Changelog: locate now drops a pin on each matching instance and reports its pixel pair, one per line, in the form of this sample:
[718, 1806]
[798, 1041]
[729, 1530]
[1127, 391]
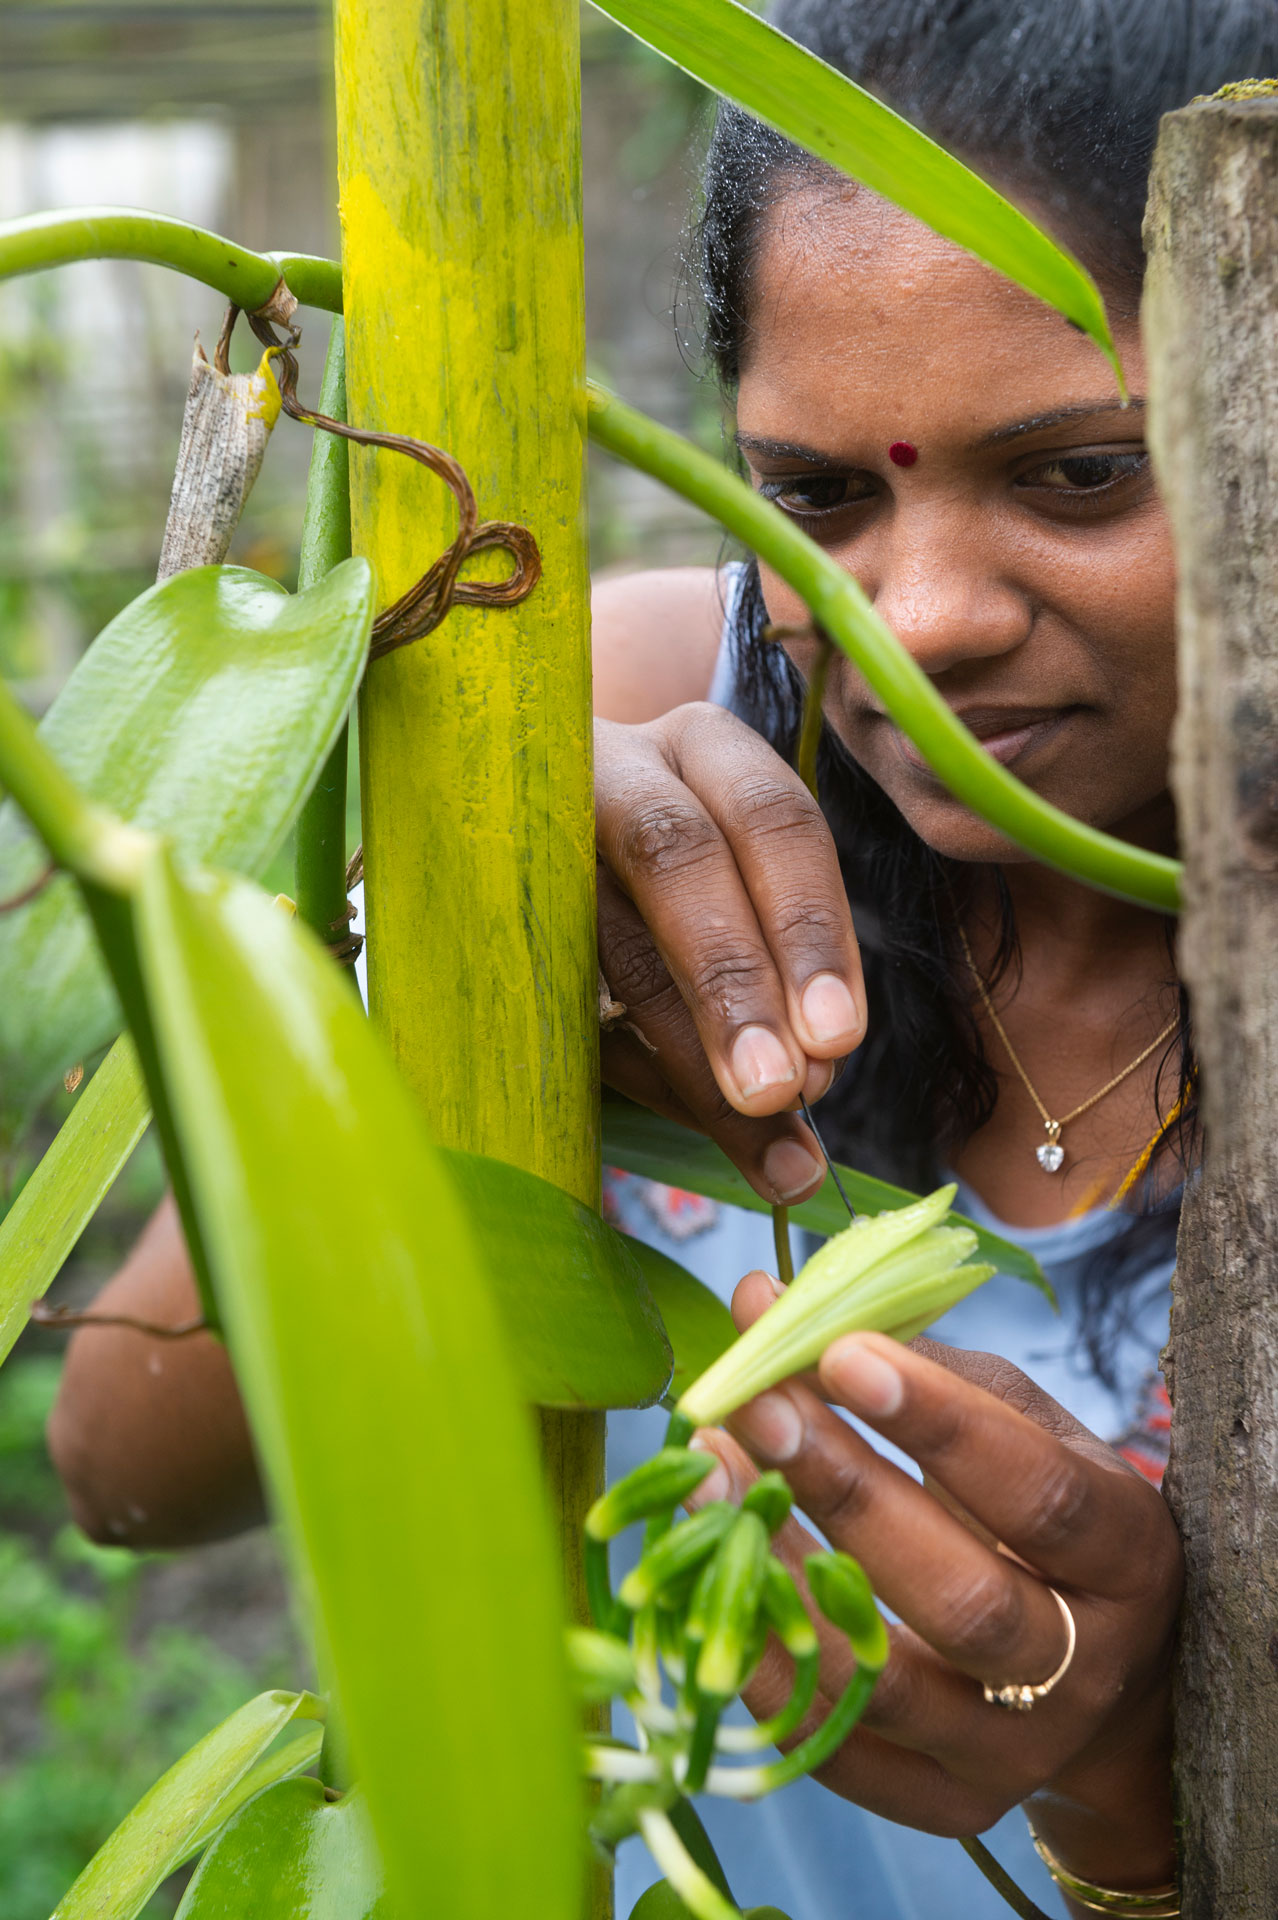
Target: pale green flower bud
[599, 1665]
[771, 1499]
[677, 1554]
[787, 1615]
[732, 1608]
[655, 1487]
[846, 1598]
[894, 1274]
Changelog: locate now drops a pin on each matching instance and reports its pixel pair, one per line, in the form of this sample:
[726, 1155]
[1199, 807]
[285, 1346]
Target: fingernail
[760, 1062]
[830, 1014]
[819, 1080]
[789, 1169]
[716, 1486]
[771, 1427]
[865, 1381]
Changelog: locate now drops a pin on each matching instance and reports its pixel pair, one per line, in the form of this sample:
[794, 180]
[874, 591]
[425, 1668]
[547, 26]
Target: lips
[1006, 733]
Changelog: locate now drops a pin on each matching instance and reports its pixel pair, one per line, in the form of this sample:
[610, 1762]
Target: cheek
[785, 607]
[1120, 598]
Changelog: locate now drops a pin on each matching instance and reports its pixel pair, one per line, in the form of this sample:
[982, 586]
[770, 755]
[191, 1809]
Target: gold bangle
[1155, 1903]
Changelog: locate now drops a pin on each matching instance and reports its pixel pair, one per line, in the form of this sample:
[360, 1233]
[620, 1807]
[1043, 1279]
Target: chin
[950, 830]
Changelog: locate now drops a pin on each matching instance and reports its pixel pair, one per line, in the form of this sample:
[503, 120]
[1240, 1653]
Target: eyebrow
[1014, 430]
[1061, 417]
[786, 450]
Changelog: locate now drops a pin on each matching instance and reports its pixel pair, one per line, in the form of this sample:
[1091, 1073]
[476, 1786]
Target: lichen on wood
[1212, 238]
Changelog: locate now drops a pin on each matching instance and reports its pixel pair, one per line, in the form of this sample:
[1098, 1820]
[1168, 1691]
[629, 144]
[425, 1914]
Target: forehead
[858, 308]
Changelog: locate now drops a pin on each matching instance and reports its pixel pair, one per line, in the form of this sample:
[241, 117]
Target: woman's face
[1023, 558]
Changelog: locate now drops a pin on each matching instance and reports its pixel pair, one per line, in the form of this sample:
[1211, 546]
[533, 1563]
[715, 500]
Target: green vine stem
[781, 1241]
[1002, 1882]
[94, 845]
[813, 713]
[837, 603]
[320, 864]
[842, 610]
[695, 1888]
[44, 240]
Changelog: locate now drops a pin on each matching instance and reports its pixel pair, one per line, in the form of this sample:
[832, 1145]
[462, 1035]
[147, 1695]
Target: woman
[964, 455]
[963, 452]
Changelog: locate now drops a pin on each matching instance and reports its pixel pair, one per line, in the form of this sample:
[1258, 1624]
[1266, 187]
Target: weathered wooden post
[1212, 327]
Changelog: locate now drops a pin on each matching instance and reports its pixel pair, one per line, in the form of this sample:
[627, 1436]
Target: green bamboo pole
[320, 864]
[459, 170]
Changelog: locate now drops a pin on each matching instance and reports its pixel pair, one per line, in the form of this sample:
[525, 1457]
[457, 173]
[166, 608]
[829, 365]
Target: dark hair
[1059, 105]
[1056, 101]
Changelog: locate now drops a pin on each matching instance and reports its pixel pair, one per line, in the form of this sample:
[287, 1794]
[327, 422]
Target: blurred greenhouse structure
[218, 114]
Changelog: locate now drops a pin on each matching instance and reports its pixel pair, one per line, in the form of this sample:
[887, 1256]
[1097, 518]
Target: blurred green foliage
[91, 1711]
[94, 1705]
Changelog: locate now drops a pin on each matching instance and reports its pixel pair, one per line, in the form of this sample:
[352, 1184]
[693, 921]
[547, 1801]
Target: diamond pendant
[1051, 1155]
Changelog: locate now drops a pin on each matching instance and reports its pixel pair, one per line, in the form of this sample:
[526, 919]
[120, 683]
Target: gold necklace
[1051, 1155]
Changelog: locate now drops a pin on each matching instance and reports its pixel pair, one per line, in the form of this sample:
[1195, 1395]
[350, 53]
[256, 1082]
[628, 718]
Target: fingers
[787, 859]
[776, 1153]
[979, 1609]
[731, 868]
[963, 1762]
[1054, 1505]
[1016, 1461]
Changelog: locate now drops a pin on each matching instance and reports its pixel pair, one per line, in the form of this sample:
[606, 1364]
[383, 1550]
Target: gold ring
[1019, 1698]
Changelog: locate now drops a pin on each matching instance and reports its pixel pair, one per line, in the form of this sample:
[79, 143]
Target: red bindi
[902, 454]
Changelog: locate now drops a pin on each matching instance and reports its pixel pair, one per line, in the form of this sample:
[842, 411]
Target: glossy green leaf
[67, 1187]
[642, 1142]
[733, 51]
[580, 1322]
[698, 1325]
[383, 1404]
[152, 1840]
[291, 1855]
[297, 1755]
[204, 710]
[660, 1902]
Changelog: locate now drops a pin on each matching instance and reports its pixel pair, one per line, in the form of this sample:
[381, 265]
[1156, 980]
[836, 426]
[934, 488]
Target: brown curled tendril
[68, 1319]
[346, 946]
[420, 610]
[26, 895]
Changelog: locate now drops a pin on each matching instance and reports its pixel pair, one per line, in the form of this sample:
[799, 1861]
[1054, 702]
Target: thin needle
[834, 1172]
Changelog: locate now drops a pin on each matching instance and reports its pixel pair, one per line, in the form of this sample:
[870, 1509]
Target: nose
[942, 586]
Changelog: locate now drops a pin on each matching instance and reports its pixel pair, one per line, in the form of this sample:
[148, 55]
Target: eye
[812, 494]
[1086, 473]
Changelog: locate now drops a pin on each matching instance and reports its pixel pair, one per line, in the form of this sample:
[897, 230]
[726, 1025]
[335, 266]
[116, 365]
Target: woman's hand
[1004, 1464]
[724, 930]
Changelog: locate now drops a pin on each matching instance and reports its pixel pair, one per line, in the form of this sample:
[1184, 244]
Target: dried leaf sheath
[225, 428]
